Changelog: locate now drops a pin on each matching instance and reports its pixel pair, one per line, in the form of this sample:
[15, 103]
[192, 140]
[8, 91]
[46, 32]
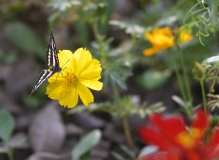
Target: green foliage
[116, 73]
[210, 66]
[92, 12]
[152, 79]
[7, 124]
[130, 153]
[85, 144]
[214, 102]
[24, 38]
[198, 72]
[35, 100]
[121, 108]
[203, 18]
[8, 56]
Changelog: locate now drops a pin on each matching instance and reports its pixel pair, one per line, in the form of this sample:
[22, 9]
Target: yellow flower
[79, 73]
[163, 38]
[185, 36]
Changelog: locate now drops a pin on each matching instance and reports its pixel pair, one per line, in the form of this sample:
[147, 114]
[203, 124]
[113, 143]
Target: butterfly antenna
[64, 64]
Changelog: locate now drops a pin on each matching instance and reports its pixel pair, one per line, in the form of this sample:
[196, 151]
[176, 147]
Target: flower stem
[124, 119]
[203, 95]
[115, 91]
[99, 38]
[127, 131]
[177, 76]
[188, 91]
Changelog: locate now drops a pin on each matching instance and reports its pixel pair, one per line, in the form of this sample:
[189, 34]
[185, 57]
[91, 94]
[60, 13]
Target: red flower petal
[150, 136]
[212, 148]
[169, 126]
[200, 120]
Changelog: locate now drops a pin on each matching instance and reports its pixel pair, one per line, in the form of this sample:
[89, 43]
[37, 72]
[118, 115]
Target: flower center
[186, 140]
[189, 139]
[71, 78]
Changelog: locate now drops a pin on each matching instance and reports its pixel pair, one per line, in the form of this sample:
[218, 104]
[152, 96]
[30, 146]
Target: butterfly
[52, 62]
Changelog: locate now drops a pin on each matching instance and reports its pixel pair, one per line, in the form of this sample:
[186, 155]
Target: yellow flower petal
[64, 100]
[185, 36]
[151, 51]
[64, 56]
[83, 58]
[92, 84]
[92, 66]
[73, 97]
[79, 71]
[55, 88]
[91, 75]
[85, 94]
[67, 60]
[69, 99]
[162, 38]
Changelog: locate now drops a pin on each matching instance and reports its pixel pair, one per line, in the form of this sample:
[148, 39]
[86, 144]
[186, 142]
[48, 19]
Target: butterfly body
[52, 62]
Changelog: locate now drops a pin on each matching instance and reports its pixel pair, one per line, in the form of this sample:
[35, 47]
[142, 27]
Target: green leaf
[118, 79]
[152, 79]
[6, 125]
[128, 151]
[86, 144]
[25, 38]
[118, 156]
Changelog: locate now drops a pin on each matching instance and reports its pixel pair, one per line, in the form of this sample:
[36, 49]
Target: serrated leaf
[86, 144]
[6, 125]
[25, 38]
[117, 79]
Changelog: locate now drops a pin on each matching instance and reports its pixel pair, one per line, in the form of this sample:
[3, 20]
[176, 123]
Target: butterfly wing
[52, 62]
[44, 75]
[51, 53]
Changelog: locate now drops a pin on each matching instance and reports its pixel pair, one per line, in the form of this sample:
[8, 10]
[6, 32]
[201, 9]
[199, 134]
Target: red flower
[177, 141]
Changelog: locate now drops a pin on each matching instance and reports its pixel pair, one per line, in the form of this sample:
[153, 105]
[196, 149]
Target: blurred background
[120, 27]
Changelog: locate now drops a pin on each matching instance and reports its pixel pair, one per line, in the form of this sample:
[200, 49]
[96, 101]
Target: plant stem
[203, 95]
[186, 80]
[116, 93]
[177, 76]
[99, 38]
[127, 131]
[10, 154]
[124, 119]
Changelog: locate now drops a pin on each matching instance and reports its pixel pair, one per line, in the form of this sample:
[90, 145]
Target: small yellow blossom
[79, 73]
[185, 36]
[163, 38]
